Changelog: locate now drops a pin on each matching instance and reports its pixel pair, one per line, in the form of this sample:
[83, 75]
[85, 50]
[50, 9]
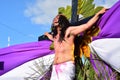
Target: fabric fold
[16, 55]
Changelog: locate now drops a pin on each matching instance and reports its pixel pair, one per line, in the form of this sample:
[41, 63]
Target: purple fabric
[110, 23]
[16, 55]
[102, 70]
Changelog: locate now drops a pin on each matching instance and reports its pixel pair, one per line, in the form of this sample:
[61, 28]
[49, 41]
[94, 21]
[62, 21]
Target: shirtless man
[64, 68]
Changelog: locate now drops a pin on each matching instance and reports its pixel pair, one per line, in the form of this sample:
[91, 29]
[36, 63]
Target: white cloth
[63, 71]
[108, 50]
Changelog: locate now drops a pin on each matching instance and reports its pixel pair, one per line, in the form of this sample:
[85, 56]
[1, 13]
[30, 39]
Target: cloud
[105, 3]
[109, 3]
[43, 11]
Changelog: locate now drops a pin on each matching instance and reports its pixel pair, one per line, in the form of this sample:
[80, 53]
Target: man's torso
[64, 51]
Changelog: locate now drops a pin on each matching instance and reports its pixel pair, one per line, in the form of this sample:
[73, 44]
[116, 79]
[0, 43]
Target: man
[63, 67]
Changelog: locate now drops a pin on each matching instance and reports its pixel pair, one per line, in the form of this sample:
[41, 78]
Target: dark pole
[74, 17]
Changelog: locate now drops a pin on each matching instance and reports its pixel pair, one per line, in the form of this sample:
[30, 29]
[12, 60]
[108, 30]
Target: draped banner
[106, 45]
[109, 23]
[16, 55]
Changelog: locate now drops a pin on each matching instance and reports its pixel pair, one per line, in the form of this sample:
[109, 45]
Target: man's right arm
[49, 36]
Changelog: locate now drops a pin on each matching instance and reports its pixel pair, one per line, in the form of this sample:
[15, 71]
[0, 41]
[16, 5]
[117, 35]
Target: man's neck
[58, 30]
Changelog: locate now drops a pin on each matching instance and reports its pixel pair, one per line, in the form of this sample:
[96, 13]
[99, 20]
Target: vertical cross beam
[74, 17]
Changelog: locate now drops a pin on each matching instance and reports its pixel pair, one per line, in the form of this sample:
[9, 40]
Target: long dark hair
[64, 24]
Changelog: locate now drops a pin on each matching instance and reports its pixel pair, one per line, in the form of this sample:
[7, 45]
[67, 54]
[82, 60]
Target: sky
[22, 21]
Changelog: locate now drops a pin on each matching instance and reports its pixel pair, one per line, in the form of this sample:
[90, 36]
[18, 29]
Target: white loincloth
[108, 50]
[63, 71]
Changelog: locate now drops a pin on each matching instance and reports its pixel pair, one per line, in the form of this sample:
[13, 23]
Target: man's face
[55, 21]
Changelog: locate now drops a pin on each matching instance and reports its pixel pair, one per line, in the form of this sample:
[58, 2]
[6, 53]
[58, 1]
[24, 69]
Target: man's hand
[102, 11]
[49, 35]
[46, 33]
